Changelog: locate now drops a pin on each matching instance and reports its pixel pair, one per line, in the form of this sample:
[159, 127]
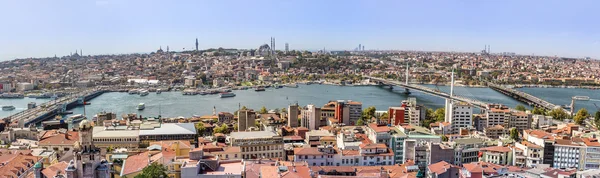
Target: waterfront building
[311, 117]
[460, 116]
[246, 120]
[12, 134]
[258, 144]
[292, 116]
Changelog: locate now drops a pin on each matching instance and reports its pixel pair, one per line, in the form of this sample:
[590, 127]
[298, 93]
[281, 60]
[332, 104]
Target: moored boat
[226, 95]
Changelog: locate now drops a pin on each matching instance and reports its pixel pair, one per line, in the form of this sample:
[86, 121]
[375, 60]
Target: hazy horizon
[548, 28]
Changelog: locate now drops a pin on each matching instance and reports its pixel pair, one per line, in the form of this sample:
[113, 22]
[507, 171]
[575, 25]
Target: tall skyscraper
[287, 48]
[196, 44]
[363, 47]
[359, 47]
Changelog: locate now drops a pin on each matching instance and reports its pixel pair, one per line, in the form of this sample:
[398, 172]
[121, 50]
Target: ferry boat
[260, 88]
[133, 91]
[8, 108]
[12, 95]
[581, 98]
[292, 85]
[144, 93]
[141, 106]
[76, 118]
[226, 95]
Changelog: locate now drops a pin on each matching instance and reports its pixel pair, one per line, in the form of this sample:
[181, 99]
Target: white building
[460, 116]
[23, 86]
[311, 117]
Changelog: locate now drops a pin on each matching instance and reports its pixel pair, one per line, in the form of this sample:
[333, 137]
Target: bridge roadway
[50, 108]
[430, 91]
[525, 97]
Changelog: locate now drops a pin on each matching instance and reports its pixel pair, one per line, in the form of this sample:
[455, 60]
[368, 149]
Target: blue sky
[542, 27]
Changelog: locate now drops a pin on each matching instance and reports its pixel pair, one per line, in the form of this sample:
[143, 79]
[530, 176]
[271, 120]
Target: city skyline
[116, 27]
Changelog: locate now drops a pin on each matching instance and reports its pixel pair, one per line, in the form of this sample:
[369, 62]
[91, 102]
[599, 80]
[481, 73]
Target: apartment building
[258, 144]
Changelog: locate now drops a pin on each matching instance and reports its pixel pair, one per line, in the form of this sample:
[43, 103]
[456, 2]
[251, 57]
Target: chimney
[66, 135]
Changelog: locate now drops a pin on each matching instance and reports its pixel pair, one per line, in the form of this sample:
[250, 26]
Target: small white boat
[144, 93]
[141, 106]
[76, 118]
[8, 108]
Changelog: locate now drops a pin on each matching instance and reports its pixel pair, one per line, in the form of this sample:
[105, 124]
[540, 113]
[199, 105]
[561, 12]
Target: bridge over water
[52, 108]
[429, 91]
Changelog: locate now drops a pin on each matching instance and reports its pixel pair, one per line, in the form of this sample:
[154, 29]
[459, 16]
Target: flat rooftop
[234, 168]
[101, 132]
[249, 135]
[171, 129]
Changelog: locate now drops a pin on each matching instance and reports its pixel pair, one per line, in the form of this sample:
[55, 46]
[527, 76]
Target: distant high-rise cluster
[287, 48]
[272, 46]
[196, 44]
[360, 47]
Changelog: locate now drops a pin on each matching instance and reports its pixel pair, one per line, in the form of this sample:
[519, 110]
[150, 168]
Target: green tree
[284, 110]
[581, 115]
[558, 114]
[520, 107]
[276, 110]
[440, 114]
[368, 113]
[200, 129]
[538, 111]
[514, 134]
[597, 119]
[154, 170]
[221, 129]
[360, 122]
[444, 138]
[263, 110]
[429, 118]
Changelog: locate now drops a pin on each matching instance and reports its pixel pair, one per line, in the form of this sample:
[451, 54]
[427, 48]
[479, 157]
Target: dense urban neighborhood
[338, 139]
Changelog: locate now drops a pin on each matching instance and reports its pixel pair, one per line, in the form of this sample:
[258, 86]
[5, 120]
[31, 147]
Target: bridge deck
[431, 91]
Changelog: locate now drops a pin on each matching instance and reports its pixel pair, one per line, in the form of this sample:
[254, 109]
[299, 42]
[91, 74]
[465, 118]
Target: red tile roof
[378, 128]
[55, 169]
[135, 163]
[496, 149]
[440, 167]
[14, 165]
[54, 137]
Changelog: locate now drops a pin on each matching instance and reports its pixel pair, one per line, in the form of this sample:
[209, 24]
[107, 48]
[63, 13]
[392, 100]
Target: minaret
[167, 49]
[81, 52]
[196, 44]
